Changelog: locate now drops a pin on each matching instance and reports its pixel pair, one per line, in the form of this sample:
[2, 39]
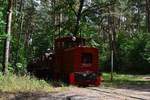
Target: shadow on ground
[128, 84]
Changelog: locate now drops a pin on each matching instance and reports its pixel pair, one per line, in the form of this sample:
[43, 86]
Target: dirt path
[89, 93]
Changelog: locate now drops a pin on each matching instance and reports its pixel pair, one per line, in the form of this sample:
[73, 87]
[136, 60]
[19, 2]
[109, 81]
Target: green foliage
[146, 53]
[133, 51]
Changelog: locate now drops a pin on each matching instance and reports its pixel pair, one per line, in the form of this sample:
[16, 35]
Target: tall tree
[78, 17]
[148, 15]
[20, 32]
[8, 31]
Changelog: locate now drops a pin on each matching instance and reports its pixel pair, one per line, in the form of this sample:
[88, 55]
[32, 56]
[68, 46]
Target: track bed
[89, 93]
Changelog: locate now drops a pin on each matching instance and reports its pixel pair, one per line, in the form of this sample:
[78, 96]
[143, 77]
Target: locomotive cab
[76, 62]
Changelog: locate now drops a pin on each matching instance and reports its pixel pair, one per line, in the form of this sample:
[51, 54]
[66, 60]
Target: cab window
[86, 58]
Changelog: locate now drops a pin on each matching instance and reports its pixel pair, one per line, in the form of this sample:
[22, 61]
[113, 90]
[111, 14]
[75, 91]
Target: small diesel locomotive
[71, 61]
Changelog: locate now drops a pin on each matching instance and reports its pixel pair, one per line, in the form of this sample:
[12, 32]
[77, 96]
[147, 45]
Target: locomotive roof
[68, 38]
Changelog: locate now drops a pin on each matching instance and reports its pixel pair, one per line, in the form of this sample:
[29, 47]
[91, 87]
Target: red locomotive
[71, 61]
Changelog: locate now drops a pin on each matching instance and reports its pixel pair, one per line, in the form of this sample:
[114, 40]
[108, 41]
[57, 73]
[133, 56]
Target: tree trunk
[138, 19]
[78, 17]
[148, 15]
[19, 34]
[53, 22]
[112, 41]
[8, 31]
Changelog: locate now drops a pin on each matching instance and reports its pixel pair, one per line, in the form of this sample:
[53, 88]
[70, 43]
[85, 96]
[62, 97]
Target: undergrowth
[15, 83]
[124, 79]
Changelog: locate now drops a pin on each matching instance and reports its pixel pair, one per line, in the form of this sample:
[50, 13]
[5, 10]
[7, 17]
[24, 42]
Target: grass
[123, 79]
[13, 83]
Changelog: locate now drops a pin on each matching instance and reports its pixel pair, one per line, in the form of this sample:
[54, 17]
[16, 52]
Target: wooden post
[112, 64]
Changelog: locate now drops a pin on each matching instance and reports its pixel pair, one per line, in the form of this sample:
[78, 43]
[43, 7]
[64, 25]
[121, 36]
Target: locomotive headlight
[84, 74]
[73, 38]
[93, 75]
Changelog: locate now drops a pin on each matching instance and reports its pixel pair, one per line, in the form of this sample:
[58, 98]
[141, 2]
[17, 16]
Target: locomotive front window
[86, 58]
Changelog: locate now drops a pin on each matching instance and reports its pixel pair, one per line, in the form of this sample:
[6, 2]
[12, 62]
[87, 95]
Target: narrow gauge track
[114, 94]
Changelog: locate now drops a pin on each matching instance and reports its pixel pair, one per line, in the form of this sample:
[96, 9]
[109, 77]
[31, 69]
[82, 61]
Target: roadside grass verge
[14, 83]
[125, 79]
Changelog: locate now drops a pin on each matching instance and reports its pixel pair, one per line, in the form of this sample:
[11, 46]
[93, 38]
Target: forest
[29, 27]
